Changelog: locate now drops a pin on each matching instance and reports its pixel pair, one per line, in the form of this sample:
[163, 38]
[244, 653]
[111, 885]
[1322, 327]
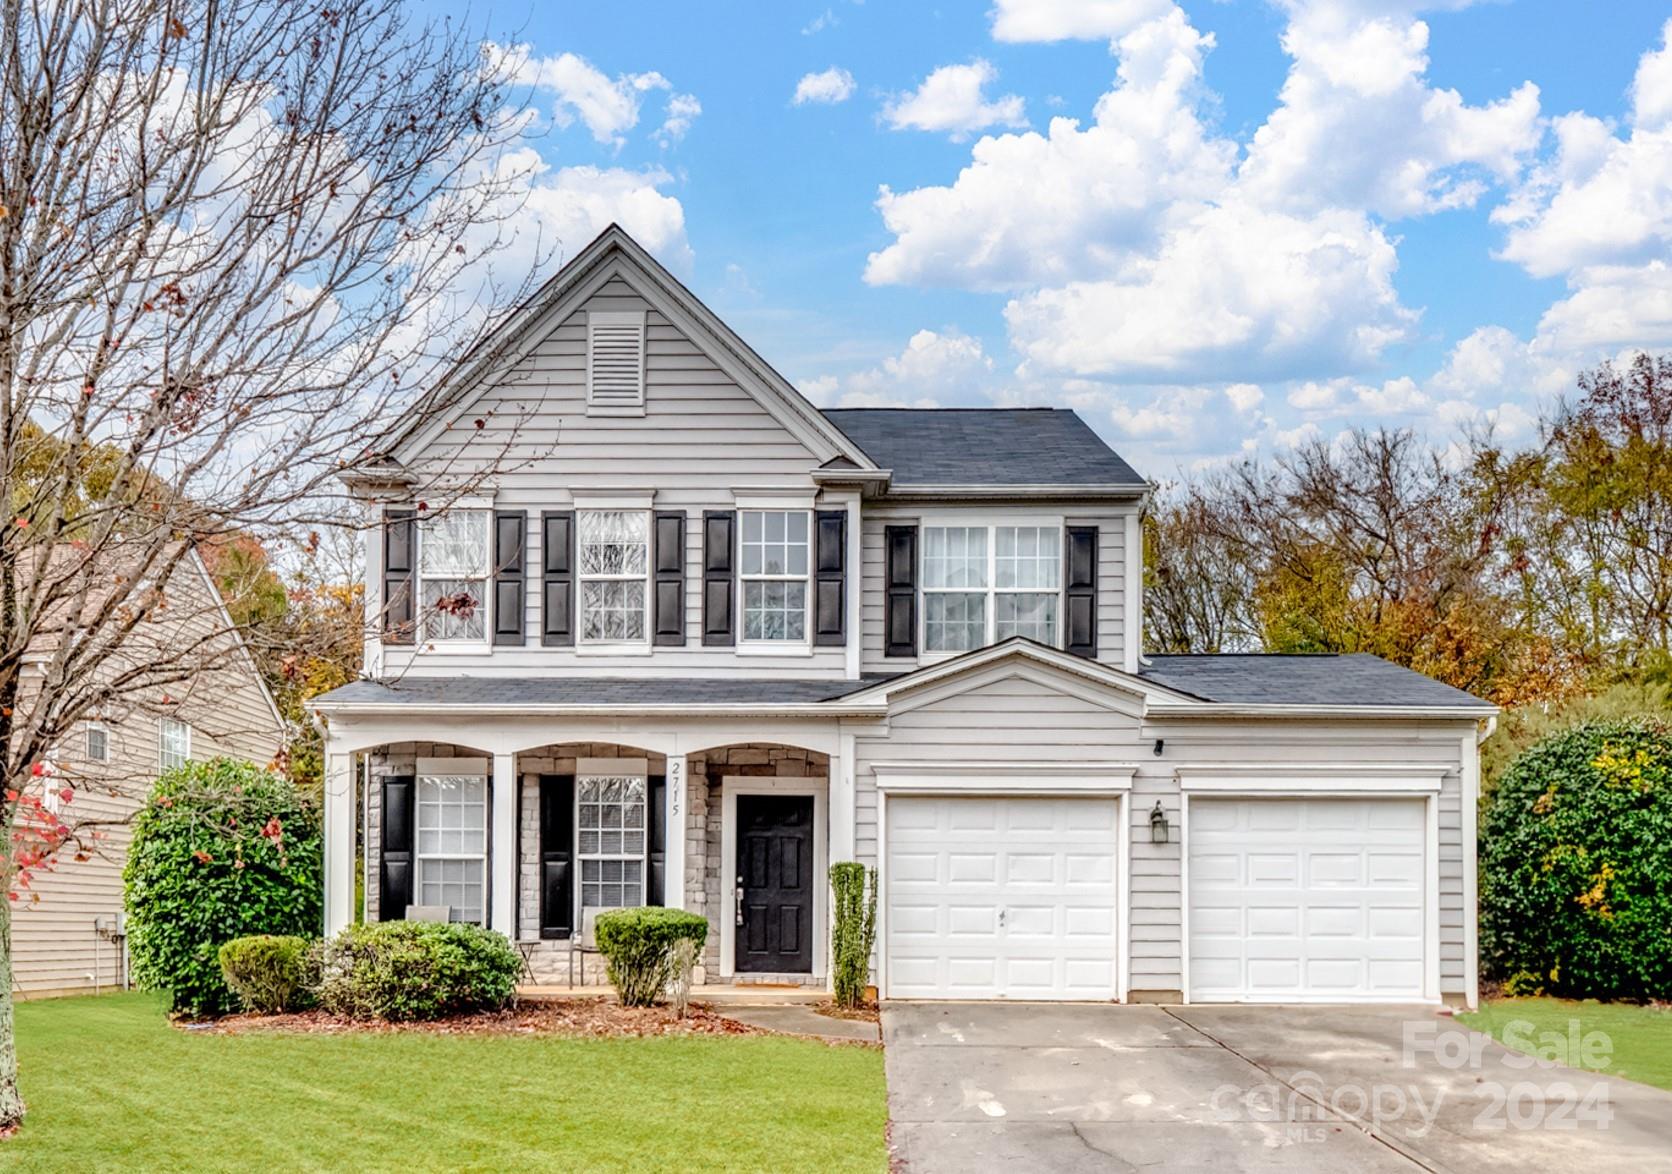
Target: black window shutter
[1080, 580]
[557, 856]
[900, 581]
[399, 549]
[395, 866]
[668, 601]
[510, 575]
[557, 577]
[719, 577]
[656, 848]
[830, 606]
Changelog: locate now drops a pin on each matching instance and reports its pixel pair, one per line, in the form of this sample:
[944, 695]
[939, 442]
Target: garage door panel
[1048, 863]
[1296, 898]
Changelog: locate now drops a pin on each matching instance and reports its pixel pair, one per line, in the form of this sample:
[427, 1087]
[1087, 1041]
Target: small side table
[526, 950]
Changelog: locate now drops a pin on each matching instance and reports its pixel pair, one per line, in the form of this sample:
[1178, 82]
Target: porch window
[614, 566]
[453, 563]
[774, 573]
[610, 826]
[174, 743]
[453, 844]
[982, 584]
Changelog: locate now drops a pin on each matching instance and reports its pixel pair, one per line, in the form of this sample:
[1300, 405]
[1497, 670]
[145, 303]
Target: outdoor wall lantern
[1157, 824]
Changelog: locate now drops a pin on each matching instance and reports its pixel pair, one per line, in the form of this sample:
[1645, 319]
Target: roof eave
[814, 709]
[1117, 492]
[1216, 709]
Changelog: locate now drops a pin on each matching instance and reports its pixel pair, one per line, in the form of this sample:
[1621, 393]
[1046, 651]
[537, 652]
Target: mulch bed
[586, 1018]
[866, 1012]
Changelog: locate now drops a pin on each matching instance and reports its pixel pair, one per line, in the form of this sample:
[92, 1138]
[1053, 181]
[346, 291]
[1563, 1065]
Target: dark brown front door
[774, 880]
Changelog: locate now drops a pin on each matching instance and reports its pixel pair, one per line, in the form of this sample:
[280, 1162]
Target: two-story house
[657, 630]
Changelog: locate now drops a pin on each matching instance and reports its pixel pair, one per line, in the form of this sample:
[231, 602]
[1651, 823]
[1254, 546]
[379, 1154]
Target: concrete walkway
[1045, 1087]
[798, 1019]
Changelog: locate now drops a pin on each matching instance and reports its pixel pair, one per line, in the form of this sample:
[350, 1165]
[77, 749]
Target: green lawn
[1639, 1044]
[110, 1085]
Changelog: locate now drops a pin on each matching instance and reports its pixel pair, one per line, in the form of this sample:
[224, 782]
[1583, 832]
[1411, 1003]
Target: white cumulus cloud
[608, 107]
[1064, 20]
[934, 368]
[828, 86]
[953, 100]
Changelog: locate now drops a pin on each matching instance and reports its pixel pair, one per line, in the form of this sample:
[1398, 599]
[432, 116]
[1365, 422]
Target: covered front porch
[532, 828]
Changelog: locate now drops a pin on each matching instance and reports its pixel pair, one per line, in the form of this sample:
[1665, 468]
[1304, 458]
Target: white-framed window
[775, 557]
[610, 831]
[98, 742]
[982, 584]
[174, 743]
[453, 560]
[453, 844]
[614, 574]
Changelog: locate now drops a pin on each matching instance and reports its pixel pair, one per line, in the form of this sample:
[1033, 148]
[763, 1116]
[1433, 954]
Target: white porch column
[339, 840]
[675, 808]
[502, 858]
[842, 808]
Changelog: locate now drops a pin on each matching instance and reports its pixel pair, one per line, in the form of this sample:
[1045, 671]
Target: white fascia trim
[774, 497]
[988, 778]
[613, 499]
[822, 709]
[453, 766]
[1120, 492]
[846, 476]
[1329, 779]
[1055, 657]
[1210, 709]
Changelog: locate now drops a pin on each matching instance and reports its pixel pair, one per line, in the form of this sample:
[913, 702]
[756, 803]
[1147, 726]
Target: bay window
[983, 584]
[610, 831]
[452, 851]
[614, 565]
[775, 556]
[453, 560]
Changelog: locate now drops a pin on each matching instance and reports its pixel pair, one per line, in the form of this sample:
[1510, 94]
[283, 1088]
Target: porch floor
[734, 994]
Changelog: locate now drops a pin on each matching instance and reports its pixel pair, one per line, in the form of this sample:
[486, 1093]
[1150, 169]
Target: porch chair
[585, 942]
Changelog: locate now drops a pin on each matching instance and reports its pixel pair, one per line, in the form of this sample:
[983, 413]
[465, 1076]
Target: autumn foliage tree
[231, 237]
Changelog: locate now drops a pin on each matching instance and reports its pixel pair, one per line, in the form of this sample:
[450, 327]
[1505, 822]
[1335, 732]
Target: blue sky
[1268, 218]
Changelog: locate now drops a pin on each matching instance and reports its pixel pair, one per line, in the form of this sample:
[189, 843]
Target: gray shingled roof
[1325, 679]
[984, 446]
[422, 691]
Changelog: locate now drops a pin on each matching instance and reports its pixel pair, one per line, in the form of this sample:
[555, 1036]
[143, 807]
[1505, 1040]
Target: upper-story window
[775, 559]
[453, 563]
[98, 742]
[982, 584]
[174, 743]
[614, 566]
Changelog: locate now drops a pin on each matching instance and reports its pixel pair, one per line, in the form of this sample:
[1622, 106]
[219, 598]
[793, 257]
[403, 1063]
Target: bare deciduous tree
[231, 236]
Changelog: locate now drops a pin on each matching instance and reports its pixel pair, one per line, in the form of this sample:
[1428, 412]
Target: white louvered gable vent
[615, 359]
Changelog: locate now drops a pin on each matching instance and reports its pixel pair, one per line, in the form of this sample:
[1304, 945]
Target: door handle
[1001, 916]
[739, 903]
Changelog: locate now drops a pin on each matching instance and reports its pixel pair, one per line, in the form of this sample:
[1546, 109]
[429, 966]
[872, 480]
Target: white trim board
[1296, 779]
[731, 786]
[986, 778]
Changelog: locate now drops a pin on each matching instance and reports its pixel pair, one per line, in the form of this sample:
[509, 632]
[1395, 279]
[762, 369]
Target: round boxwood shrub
[271, 973]
[1576, 865]
[221, 850]
[417, 970]
[639, 946]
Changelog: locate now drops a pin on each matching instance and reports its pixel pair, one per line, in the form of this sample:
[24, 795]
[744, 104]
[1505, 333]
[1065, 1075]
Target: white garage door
[1001, 898]
[1297, 899]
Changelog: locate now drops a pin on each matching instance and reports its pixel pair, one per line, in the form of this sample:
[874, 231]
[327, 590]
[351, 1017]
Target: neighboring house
[65, 925]
[698, 639]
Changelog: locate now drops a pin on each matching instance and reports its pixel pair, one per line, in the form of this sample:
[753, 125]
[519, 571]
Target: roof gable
[612, 255]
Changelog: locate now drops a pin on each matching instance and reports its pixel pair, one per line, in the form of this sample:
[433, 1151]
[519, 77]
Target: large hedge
[221, 850]
[1576, 865]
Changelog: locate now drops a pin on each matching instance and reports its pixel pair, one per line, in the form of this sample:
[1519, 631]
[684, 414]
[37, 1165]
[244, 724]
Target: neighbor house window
[610, 829]
[452, 575]
[453, 844]
[774, 559]
[614, 563]
[174, 743]
[98, 743]
[983, 584]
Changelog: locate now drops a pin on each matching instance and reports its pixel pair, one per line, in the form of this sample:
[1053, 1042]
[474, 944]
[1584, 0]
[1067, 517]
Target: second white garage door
[1294, 900]
[1001, 898]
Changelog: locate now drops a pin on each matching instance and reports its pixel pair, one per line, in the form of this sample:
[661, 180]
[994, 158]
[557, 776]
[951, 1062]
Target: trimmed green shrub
[271, 973]
[853, 930]
[402, 970]
[639, 944]
[1576, 865]
[221, 850]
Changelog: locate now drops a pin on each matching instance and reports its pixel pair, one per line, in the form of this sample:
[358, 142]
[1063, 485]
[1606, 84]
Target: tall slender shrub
[853, 929]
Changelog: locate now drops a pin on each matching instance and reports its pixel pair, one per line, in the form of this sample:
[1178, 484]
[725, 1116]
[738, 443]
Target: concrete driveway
[1035, 1086]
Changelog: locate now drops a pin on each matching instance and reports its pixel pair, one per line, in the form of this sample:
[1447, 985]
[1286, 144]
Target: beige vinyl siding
[1111, 570]
[55, 949]
[701, 436]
